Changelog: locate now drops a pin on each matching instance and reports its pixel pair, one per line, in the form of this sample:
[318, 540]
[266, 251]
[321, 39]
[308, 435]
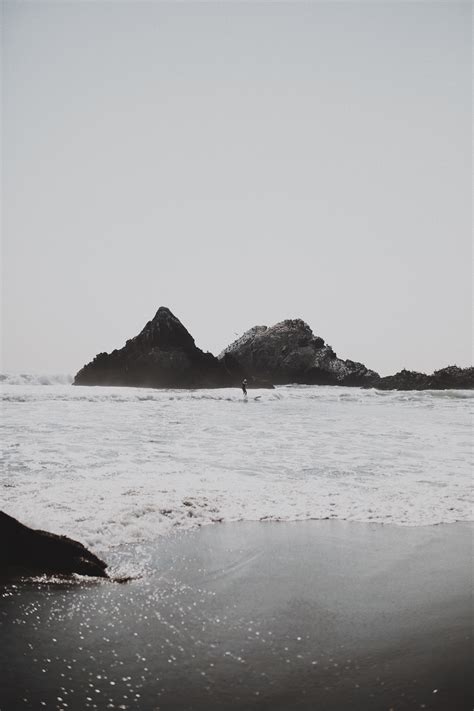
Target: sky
[241, 163]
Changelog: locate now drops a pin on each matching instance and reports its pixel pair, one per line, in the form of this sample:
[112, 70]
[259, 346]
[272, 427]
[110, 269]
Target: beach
[309, 548]
[237, 385]
[316, 614]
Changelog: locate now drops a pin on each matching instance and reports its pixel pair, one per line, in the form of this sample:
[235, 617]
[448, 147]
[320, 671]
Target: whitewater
[117, 466]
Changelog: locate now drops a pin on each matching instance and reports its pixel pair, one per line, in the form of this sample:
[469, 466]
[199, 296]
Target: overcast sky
[240, 163]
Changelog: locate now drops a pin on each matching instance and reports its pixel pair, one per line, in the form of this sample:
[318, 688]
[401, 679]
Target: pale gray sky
[240, 163]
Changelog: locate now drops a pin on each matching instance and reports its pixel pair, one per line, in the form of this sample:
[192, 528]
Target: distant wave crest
[35, 379]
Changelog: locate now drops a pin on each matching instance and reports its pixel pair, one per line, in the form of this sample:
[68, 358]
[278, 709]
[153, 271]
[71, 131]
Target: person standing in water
[244, 386]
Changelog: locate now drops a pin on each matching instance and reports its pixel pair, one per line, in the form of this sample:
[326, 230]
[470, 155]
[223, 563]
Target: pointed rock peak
[164, 313]
[166, 330]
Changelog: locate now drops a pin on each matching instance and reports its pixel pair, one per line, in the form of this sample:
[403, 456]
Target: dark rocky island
[289, 352]
[164, 355]
[449, 378]
[25, 552]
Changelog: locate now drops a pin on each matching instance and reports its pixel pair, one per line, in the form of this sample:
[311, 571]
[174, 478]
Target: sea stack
[163, 355]
[289, 352]
[450, 378]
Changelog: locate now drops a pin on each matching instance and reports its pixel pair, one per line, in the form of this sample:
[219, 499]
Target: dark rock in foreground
[448, 378]
[289, 352]
[25, 552]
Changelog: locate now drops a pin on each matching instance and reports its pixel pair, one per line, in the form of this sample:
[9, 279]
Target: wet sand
[308, 615]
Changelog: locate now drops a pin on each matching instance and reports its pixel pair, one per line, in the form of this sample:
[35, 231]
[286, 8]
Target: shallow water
[113, 466]
[253, 617]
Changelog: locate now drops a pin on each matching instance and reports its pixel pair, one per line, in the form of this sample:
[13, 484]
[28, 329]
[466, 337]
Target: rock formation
[163, 355]
[448, 378]
[289, 352]
[25, 552]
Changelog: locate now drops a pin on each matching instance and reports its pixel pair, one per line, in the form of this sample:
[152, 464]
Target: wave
[345, 396]
[35, 379]
[113, 466]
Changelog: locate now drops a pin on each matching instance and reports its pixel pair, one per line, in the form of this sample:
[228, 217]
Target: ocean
[118, 466]
[291, 613]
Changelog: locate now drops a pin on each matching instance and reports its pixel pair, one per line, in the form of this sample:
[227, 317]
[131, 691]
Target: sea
[114, 467]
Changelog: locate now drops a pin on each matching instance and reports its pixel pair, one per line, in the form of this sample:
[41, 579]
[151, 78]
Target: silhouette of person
[244, 386]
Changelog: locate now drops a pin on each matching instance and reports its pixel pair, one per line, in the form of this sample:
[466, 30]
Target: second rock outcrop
[289, 352]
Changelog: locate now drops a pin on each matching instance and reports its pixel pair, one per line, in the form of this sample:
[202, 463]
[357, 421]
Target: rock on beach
[25, 551]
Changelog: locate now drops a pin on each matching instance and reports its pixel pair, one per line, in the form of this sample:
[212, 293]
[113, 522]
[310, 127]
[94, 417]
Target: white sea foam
[35, 379]
[118, 465]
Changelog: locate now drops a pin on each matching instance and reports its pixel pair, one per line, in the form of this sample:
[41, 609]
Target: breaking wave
[117, 466]
[35, 379]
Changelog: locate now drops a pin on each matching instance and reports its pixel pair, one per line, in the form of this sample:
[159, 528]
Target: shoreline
[327, 614]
